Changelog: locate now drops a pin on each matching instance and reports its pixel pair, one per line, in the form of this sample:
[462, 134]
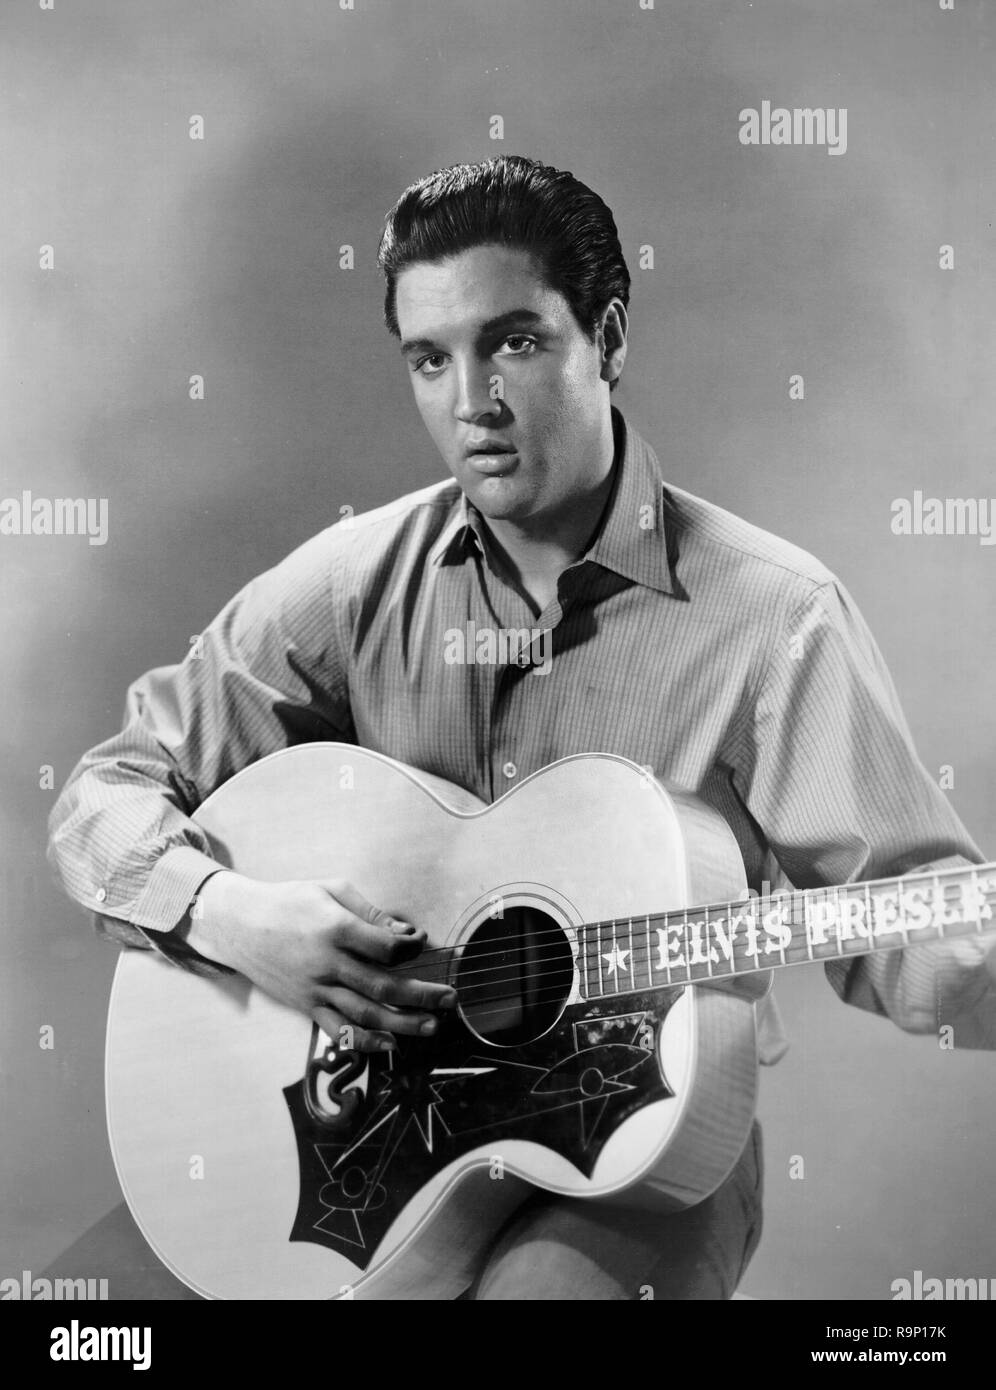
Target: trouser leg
[564, 1248]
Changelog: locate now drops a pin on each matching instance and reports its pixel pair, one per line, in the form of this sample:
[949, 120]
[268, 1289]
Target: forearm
[945, 988]
[265, 673]
[831, 774]
[121, 837]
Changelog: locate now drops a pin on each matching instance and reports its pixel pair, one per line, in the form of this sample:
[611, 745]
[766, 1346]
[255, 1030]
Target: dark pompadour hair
[517, 202]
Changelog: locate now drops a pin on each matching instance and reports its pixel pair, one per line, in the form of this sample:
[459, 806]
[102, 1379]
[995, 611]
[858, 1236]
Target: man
[683, 638]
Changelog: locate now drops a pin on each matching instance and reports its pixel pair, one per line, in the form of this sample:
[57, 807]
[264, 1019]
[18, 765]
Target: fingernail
[385, 1044]
[402, 928]
[428, 1026]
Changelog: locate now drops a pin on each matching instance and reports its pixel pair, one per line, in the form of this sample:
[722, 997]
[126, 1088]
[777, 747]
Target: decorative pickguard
[431, 1101]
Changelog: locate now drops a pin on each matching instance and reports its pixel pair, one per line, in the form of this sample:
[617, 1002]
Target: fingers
[370, 1016]
[353, 900]
[348, 1036]
[398, 989]
[366, 934]
[369, 931]
[387, 945]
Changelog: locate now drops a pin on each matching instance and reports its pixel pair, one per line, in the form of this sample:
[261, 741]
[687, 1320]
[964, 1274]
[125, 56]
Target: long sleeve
[266, 673]
[834, 782]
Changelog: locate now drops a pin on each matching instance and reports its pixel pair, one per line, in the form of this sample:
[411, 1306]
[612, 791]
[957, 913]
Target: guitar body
[262, 1159]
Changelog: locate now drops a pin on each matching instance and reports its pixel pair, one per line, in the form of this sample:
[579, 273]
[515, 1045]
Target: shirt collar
[637, 534]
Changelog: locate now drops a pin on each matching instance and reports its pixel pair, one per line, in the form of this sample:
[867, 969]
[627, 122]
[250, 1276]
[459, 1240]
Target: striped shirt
[731, 662]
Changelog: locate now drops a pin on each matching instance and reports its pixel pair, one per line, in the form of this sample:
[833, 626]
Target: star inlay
[616, 960]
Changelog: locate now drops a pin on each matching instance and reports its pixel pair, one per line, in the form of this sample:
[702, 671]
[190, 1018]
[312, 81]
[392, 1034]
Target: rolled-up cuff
[169, 891]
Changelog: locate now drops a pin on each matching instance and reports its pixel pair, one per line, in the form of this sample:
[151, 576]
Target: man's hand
[319, 947]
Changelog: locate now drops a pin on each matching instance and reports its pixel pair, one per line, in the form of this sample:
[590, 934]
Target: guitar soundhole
[515, 976]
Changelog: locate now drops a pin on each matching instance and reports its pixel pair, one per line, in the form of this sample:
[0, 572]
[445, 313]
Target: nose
[474, 400]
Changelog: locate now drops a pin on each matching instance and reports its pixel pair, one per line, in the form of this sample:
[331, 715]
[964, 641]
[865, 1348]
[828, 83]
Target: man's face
[484, 314]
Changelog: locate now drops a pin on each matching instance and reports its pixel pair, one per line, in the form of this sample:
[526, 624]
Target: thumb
[353, 901]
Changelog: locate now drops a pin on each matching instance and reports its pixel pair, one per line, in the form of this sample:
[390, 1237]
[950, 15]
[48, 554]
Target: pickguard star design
[431, 1101]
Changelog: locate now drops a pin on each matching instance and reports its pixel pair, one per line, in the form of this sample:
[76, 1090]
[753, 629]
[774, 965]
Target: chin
[496, 506]
[498, 497]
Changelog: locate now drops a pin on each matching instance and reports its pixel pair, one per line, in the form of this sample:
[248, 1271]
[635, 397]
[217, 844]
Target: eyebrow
[510, 319]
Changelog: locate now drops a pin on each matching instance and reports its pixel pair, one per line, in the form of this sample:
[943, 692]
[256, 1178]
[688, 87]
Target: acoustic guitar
[603, 1047]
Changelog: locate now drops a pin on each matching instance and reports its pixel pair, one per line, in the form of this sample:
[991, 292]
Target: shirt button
[510, 770]
[101, 894]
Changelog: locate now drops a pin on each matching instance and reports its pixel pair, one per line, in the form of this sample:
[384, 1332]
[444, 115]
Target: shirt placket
[511, 750]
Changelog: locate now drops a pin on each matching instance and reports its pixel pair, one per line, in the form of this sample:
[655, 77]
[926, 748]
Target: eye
[422, 361]
[525, 344]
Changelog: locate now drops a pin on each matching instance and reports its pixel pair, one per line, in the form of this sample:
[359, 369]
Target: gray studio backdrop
[219, 257]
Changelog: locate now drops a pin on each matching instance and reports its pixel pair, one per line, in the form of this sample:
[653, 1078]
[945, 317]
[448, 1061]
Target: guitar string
[789, 919]
[793, 900]
[558, 932]
[559, 993]
[555, 989]
[640, 955]
[421, 968]
[696, 974]
[514, 971]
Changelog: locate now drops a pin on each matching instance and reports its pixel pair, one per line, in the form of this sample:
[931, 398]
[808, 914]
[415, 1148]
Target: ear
[611, 339]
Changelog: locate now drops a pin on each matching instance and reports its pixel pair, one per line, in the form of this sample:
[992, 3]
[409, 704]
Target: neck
[535, 551]
[695, 944]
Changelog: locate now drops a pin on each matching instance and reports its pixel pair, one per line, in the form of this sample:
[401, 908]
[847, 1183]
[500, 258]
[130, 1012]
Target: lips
[494, 465]
[491, 457]
[487, 448]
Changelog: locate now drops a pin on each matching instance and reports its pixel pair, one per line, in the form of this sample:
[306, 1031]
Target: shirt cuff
[170, 888]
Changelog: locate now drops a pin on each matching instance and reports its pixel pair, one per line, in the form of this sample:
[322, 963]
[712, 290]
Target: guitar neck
[724, 940]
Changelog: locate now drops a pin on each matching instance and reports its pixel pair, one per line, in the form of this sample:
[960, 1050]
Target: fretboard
[815, 924]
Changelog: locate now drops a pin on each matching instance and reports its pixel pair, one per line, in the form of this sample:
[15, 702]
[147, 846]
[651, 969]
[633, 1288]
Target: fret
[869, 914]
[792, 948]
[977, 896]
[773, 909]
[984, 892]
[754, 934]
[736, 911]
[737, 945]
[902, 914]
[727, 964]
[740, 909]
[712, 943]
[966, 897]
[806, 922]
[721, 964]
[747, 961]
[799, 945]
